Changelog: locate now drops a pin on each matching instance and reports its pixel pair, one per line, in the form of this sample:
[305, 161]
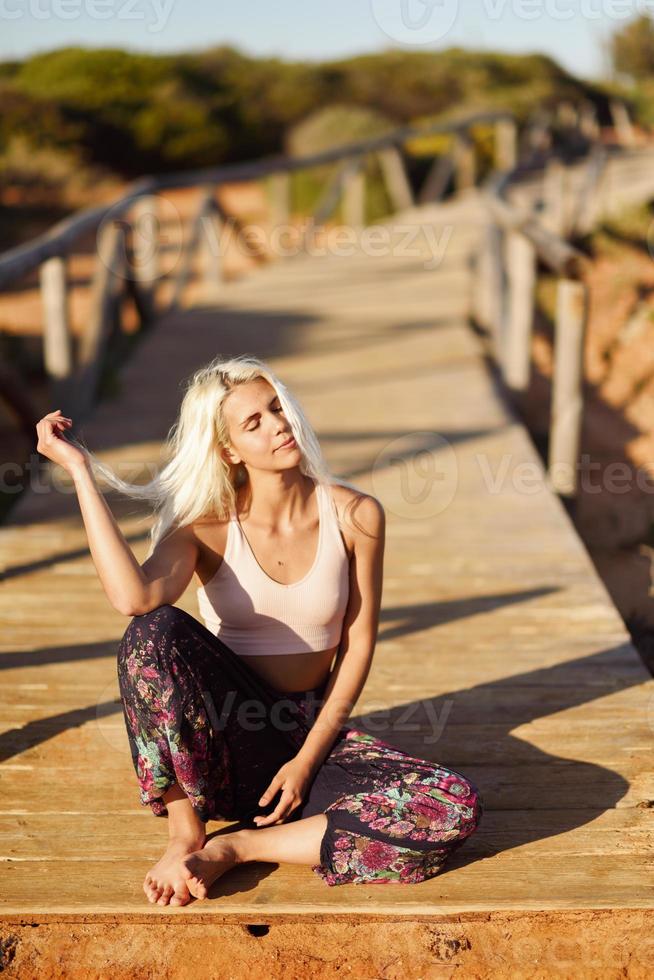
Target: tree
[632, 48]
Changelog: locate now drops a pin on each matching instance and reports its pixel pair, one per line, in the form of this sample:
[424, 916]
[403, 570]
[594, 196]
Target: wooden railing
[535, 228]
[513, 243]
[128, 264]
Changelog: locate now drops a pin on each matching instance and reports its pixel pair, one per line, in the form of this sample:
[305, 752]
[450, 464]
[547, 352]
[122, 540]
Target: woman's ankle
[191, 837]
[184, 825]
[237, 843]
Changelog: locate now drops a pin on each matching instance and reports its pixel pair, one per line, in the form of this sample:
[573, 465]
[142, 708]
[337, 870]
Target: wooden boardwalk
[500, 654]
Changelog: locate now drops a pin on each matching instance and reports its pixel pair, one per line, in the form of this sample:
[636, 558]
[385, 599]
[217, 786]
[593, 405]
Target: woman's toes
[165, 895]
[190, 876]
[150, 889]
[194, 884]
[180, 897]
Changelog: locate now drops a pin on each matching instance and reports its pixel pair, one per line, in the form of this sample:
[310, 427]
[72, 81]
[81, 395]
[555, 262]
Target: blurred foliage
[632, 48]
[632, 54]
[331, 126]
[334, 125]
[137, 113]
[45, 173]
[632, 225]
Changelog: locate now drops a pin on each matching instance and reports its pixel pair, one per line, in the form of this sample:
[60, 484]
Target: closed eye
[253, 427]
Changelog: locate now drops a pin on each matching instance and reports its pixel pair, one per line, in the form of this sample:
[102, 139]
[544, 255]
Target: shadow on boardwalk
[573, 792]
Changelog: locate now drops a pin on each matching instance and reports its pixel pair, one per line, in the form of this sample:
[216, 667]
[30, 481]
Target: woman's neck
[276, 503]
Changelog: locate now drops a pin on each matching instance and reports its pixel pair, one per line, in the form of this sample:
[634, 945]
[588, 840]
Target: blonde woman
[242, 717]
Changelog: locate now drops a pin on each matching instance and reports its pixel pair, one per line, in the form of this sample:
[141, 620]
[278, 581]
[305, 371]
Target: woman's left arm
[360, 626]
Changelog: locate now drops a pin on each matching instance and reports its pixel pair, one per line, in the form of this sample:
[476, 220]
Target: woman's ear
[230, 456]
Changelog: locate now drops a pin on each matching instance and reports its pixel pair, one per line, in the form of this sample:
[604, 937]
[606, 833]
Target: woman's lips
[287, 445]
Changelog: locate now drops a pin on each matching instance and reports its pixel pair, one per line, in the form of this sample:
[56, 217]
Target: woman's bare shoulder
[362, 513]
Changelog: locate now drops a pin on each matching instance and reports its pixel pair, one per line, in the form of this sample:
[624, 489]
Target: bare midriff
[293, 671]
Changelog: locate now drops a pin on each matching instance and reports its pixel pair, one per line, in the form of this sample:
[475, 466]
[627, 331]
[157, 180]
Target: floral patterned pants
[198, 715]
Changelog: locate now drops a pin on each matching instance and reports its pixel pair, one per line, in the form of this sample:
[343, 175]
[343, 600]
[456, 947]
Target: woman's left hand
[293, 779]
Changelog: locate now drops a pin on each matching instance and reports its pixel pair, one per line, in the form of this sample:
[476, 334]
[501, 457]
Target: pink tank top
[254, 614]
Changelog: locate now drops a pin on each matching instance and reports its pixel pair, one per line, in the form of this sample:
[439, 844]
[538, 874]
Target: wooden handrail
[558, 254]
[57, 241]
[111, 285]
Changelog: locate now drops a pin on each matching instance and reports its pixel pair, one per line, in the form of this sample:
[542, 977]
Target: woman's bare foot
[165, 883]
[204, 866]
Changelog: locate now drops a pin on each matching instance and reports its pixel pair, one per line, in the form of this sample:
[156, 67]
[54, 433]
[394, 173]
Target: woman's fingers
[275, 784]
[281, 810]
[52, 423]
[58, 414]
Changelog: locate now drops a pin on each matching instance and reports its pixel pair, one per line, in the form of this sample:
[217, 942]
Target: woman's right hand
[52, 444]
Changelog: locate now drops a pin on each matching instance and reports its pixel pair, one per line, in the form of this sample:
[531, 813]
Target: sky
[574, 32]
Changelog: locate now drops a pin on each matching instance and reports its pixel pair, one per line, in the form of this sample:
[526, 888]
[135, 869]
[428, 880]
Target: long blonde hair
[197, 482]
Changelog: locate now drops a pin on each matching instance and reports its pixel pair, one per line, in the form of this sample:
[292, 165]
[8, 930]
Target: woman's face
[258, 427]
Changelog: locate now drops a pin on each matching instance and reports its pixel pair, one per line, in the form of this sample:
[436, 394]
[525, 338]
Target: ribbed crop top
[254, 614]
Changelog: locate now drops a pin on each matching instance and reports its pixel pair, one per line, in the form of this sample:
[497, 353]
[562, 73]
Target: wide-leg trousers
[198, 715]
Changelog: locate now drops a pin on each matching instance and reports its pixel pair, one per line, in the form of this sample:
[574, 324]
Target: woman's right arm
[132, 589]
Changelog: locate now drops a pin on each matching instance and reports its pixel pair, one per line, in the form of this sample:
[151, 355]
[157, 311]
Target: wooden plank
[615, 880]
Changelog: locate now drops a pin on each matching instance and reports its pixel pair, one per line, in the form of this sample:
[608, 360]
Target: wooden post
[588, 123]
[567, 386]
[331, 194]
[395, 178]
[622, 123]
[491, 286]
[538, 135]
[211, 257]
[554, 216]
[588, 198]
[354, 198]
[505, 144]
[145, 251]
[521, 277]
[189, 252]
[279, 198]
[566, 114]
[106, 291]
[437, 179]
[464, 156]
[57, 350]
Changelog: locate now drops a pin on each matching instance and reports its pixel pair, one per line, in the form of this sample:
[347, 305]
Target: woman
[242, 717]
